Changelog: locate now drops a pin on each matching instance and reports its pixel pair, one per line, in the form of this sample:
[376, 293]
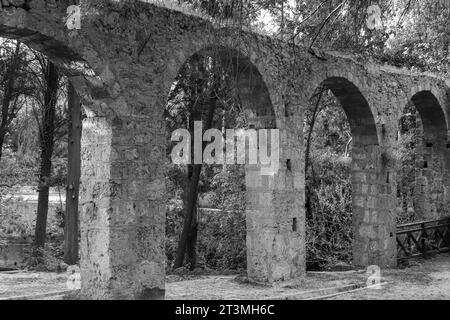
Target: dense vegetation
[33, 137]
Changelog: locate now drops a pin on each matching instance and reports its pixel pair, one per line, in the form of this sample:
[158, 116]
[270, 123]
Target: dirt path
[30, 283]
[428, 279]
[424, 279]
[231, 288]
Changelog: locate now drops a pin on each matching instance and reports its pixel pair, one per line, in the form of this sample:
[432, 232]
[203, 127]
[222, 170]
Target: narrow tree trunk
[186, 234]
[73, 178]
[189, 233]
[46, 143]
[191, 245]
[311, 128]
[2, 140]
[191, 241]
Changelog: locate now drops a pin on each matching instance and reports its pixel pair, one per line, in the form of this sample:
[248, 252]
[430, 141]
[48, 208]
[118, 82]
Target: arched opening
[432, 116]
[423, 140]
[218, 202]
[23, 26]
[347, 191]
[40, 141]
[355, 106]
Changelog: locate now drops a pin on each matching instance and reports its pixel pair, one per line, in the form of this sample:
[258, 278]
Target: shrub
[329, 233]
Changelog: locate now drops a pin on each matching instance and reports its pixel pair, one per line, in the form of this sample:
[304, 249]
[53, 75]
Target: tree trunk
[191, 241]
[187, 236]
[46, 143]
[8, 90]
[311, 128]
[2, 140]
[189, 233]
[73, 178]
[191, 245]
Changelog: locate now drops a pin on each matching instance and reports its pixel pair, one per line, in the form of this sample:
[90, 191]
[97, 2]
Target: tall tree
[204, 92]
[46, 137]
[188, 238]
[12, 84]
[73, 178]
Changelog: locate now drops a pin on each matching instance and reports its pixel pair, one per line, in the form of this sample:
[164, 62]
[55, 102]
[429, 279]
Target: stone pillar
[275, 225]
[374, 203]
[430, 193]
[275, 213]
[122, 209]
[446, 181]
[431, 196]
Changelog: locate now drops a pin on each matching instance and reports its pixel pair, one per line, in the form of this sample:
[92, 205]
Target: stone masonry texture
[123, 62]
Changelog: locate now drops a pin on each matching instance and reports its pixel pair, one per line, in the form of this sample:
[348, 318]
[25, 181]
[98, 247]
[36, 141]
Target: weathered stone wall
[123, 62]
[431, 200]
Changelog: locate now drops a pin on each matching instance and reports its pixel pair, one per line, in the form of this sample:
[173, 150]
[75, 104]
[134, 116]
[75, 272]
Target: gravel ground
[428, 279]
[424, 280]
[233, 288]
[14, 284]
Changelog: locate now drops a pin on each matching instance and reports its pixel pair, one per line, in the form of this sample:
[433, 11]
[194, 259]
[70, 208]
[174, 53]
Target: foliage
[414, 34]
[12, 224]
[14, 172]
[221, 244]
[228, 187]
[14, 84]
[203, 91]
[328, 184]
[48, 258]
[22, 139]
[20, 161]
[406, 156]
[404, 39]
[222, 240]
[329, 216]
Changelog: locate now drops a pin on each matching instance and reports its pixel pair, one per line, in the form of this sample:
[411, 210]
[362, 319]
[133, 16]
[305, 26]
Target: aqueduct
[122, 63]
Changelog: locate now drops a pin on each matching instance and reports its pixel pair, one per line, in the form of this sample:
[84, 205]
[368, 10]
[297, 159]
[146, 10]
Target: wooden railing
[423, 238]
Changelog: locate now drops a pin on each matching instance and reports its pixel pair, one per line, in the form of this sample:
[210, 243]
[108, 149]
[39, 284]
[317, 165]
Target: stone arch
[41, 26]
[357, 109]
[372, 221]
[433, 116]
[264, 263]
[431, 198]
[249, 82]
[70, 63]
